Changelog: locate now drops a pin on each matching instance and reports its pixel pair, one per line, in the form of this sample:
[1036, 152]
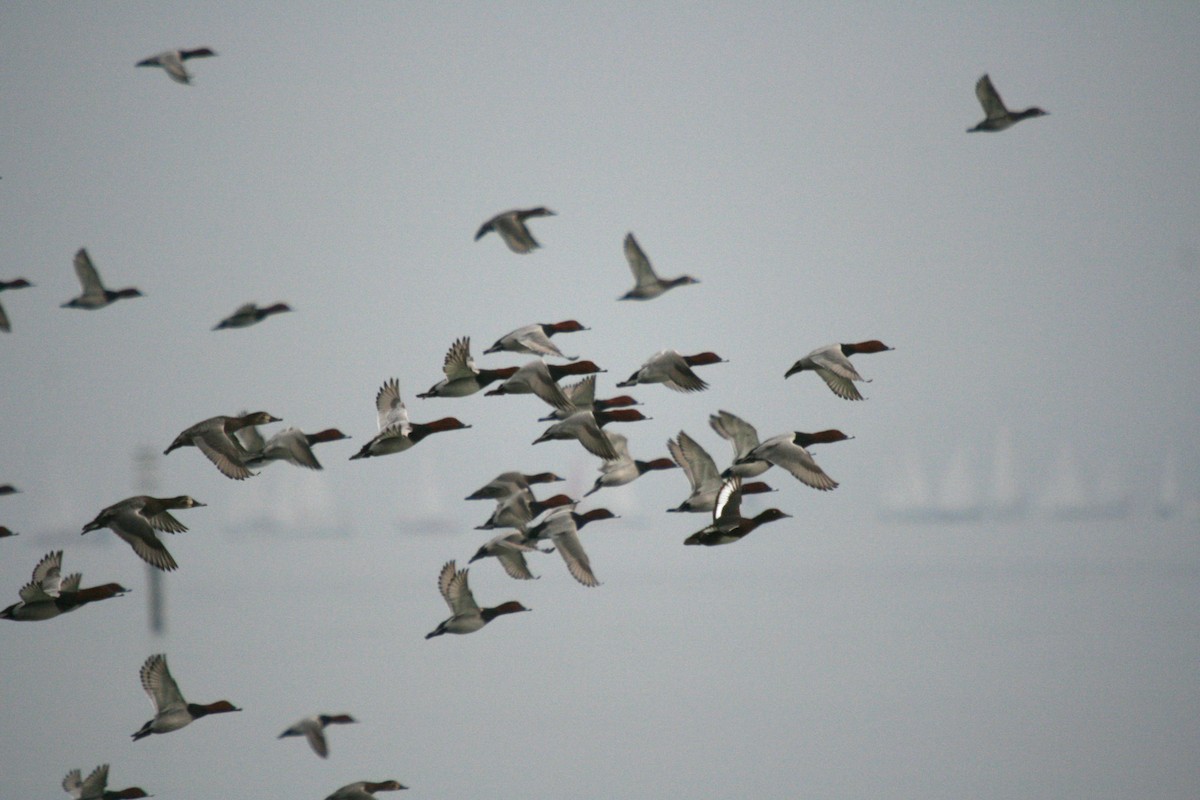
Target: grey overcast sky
[808, 163]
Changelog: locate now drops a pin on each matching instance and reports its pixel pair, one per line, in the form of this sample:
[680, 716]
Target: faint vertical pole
[146, 464]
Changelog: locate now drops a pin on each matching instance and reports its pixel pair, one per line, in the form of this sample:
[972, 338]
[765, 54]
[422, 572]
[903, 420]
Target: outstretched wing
[989, 98]
[458, 363]
[47, 573]
[89, 279]
[390, 407]
[842, 386]
[695, 462]
[158, 683]
[643, 273]
[453, 585]
[727, 511]
[741, 434]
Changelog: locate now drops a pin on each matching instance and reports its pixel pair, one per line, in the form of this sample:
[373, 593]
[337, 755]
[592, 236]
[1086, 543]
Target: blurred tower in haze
[146, 465]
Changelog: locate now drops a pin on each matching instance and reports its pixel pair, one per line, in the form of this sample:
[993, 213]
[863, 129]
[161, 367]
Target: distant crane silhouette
[146, 467]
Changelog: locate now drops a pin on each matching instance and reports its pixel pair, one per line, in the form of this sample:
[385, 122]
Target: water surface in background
[992, 660]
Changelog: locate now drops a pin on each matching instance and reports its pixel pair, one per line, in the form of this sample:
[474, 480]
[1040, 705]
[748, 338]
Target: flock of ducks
[526, 523]
[510, 226]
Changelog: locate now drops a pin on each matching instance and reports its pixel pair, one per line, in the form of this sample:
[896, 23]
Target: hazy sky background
[810, 167]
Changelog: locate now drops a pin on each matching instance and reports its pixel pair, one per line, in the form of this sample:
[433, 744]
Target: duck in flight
[728, 525]
[365, 790]
[248, 314]
[465, 614]
[171, 711]
[647, 285]
[19, 283]
[396, 432]
[95, 786]
[135, 520]
[996, 116]
[172, 62]
[832, 364]
[94, 294]
[313, 729]
[215, 438]
[49, 593]
[510, 226]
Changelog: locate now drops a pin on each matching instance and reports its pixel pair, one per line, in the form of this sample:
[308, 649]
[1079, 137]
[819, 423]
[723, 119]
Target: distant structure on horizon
[145, 465]
[959, 494]
[1066, 495]
[287, 502]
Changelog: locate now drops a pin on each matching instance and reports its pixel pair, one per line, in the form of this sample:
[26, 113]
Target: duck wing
[315, 735]
[836, 362]
[594, 438]
[135, 530]
[727, 511]
[391, 408]
[165, 521]
[566, 541]
[34, 593]
[47, 573]
[73, 783]
[620, 446]
[510, 552]
[291, 445]
[581, 395]
[643, 273]
[173, 64]
[842, 386]
[535, 340]
[92, 786]
[838, 373]
[683, 379]
[158, 683]
[514, 233]
[224, 452]
[458, 363]
[695, 462]
[799, 462]
[89, 278]
[453, 585]
[741, 434]
[250, 439]
[989, 98]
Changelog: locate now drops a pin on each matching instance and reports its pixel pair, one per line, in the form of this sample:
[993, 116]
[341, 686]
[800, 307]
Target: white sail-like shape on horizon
[958, 493]
[286, 501]
[913, 499]
[1064, 495]
[1167, 503]
[909, 496]
[1005, 500]
[250, 508]
[306, 502]
[423, 504]
[1067, 496]
[1111, 498]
